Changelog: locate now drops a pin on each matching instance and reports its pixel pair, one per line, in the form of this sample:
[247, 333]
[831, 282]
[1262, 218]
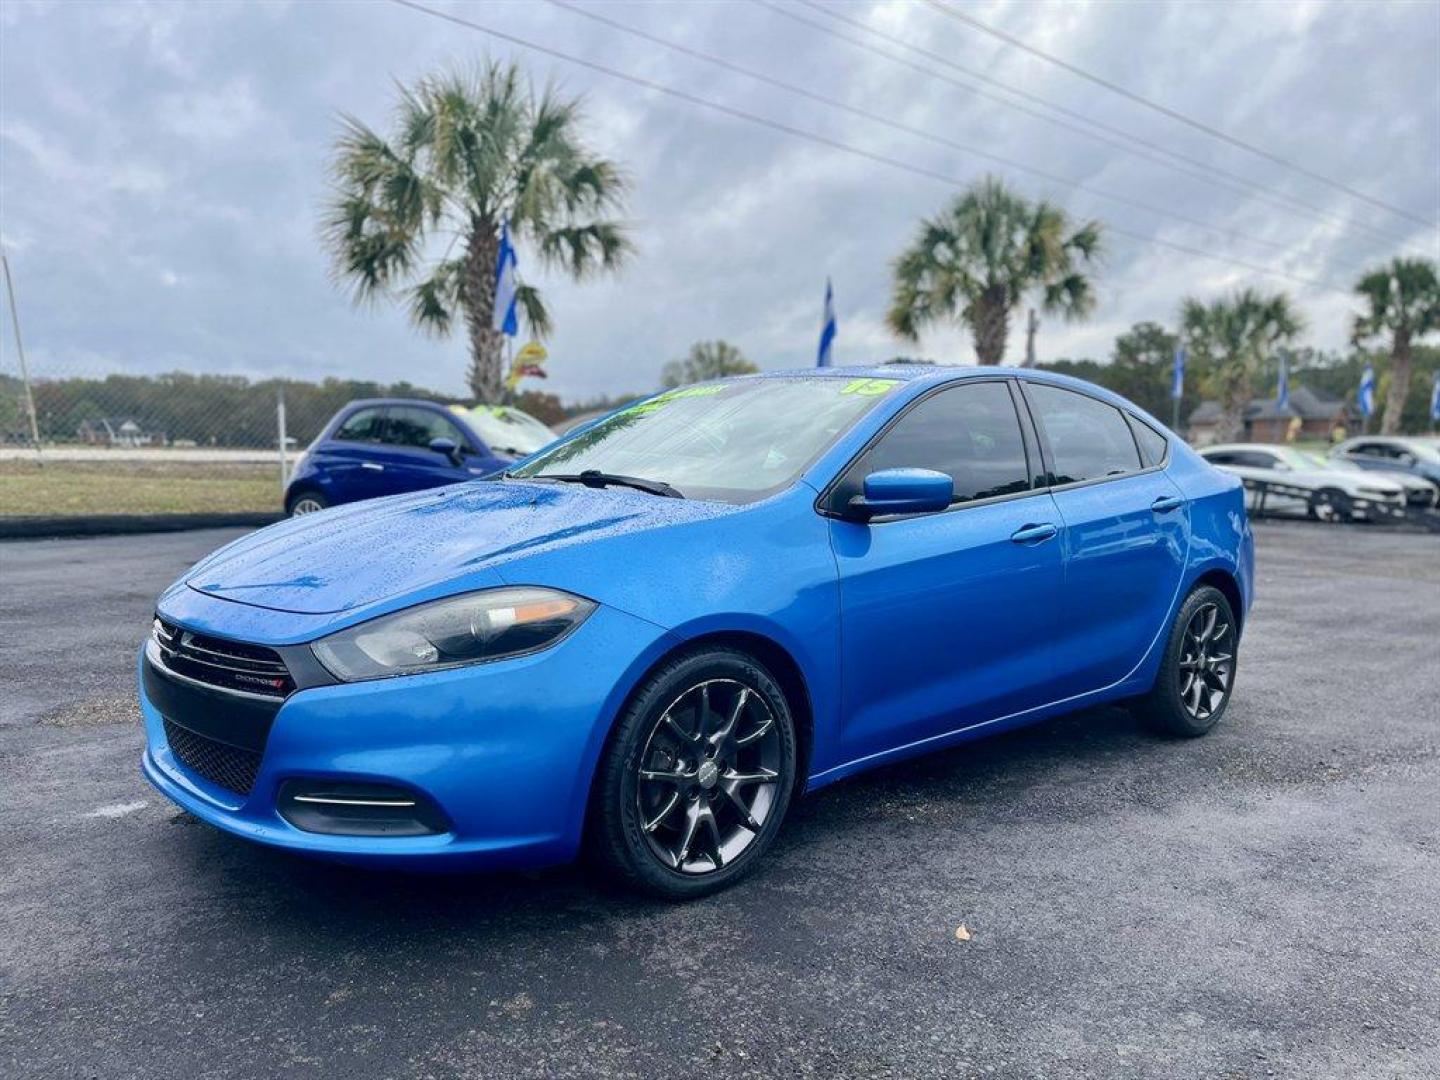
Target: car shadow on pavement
[991, 779]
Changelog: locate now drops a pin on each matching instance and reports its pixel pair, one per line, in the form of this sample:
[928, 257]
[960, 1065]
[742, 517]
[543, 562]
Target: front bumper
[506, 750]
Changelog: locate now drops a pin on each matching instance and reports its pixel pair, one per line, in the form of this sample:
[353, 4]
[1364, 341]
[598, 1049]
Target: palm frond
[537, 316]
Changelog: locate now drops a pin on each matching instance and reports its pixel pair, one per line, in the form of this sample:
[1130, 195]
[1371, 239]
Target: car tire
[305, 501]
[696, 777]
[1330, 505]
[1199, 649]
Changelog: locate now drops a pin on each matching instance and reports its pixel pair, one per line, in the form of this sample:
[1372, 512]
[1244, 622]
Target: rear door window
[1088, 439]
[970, 432]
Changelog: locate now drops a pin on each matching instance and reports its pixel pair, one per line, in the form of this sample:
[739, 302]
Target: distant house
[1317, 411]
[117, 431]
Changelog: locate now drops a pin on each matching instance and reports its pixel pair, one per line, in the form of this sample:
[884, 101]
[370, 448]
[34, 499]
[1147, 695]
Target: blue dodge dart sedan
[647, 640]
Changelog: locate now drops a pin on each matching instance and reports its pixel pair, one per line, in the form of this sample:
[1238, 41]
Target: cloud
[166, 163]
[210, 116]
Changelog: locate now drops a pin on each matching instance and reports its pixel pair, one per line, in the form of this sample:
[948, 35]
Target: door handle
[372, 466]
[1034, 534]
[1165, 503]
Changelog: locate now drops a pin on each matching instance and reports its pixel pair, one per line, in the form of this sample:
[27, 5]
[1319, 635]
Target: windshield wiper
[597, 479]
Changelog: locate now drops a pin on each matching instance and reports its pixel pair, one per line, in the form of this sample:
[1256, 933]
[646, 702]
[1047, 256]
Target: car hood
[432, 543]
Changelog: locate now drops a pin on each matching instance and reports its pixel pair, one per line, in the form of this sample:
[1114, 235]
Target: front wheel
[1197, 671]
[1330, 505]
[697, 776]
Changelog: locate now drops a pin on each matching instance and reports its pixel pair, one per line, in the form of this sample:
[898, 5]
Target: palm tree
[1229, 339]
[1403, 298]
[417, 216]
[707, 360]
[977, 260]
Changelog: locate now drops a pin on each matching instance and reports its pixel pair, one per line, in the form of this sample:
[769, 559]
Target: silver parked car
[1308, 482]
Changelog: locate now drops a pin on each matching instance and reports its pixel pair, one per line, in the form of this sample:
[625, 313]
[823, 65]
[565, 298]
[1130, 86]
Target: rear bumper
[505, 750]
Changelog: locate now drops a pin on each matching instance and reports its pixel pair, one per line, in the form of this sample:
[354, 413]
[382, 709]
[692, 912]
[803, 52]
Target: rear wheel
[1330, 505]
[697, 777]
[1197, 672]
[306, 502]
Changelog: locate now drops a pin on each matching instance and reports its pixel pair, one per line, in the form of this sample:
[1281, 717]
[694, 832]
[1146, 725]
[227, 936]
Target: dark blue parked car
[391, 446]
[648, 638]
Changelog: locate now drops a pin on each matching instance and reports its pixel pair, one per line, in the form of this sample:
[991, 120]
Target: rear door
[1125, 540]
[948, 619]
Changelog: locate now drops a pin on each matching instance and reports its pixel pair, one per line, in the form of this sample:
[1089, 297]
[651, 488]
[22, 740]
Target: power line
[825, 140]
[895, 125]
[1144, 148]
[1165, 110]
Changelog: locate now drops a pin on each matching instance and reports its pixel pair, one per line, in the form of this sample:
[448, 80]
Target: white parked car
[1306, 481]
[1419, 491]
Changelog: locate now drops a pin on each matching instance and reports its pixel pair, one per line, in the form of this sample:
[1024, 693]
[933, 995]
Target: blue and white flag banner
[827, 328]
[1435, 399]
[1177, 381]
[1282, 389]
[506, 318]
[1366, 397]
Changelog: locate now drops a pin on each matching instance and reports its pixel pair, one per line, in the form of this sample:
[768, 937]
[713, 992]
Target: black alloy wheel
[697, 777]
[1197, 672]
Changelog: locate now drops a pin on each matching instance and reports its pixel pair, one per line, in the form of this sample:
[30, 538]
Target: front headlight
[452, 632]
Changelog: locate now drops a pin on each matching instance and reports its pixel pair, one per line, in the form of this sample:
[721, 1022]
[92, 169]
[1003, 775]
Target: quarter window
[970, 432]
[1152, 443]
[1088, 439]
[411, 426]
[362, 426]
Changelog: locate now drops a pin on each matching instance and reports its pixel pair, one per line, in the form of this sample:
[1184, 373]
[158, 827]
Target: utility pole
[1032, 324]
[20, 349]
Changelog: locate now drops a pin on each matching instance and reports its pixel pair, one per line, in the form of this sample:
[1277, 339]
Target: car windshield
[734, 441]
[1425, 449]
[1307, 459]
[509, 430]
[1299, 459]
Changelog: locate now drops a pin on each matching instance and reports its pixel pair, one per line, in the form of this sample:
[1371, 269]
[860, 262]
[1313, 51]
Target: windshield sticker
[674, 395]
[869, 387]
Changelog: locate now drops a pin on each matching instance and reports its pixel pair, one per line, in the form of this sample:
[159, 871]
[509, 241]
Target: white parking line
[116, 810]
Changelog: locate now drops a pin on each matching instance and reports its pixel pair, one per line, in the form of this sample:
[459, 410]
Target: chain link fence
[179, 442]
[108, 442]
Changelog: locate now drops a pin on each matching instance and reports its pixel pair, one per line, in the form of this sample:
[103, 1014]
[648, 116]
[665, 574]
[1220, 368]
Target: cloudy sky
[163, 169]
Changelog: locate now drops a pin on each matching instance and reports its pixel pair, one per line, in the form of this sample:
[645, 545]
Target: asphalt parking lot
[1261, 902]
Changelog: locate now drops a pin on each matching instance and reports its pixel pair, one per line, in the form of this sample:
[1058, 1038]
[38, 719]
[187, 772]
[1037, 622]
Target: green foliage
[1339, 374]
[466, 152]
[1403, 300]
[707, 360]
[979, 258]
[1401, 297]
[1230, 340]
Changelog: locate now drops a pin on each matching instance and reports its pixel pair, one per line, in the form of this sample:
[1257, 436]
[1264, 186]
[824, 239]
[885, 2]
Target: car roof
[927, 375]
[1393, 440]
[383, 401]
[1242, 446]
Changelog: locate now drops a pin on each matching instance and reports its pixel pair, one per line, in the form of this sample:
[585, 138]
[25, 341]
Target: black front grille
[227, 766]
[226, 665]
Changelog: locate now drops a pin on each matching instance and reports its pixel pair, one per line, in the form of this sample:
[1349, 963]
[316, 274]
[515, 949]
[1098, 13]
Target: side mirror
[1408, 460]
[448, 447]
[902, 491]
